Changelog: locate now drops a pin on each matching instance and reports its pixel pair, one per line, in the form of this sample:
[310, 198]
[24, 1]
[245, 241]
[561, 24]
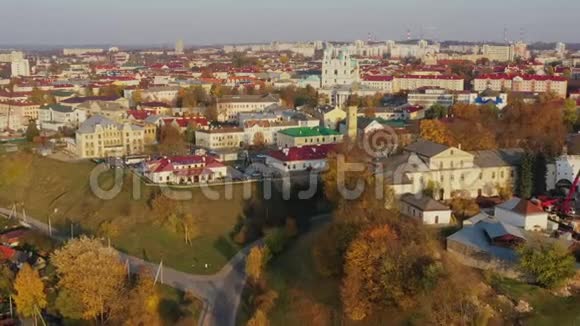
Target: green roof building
[301, 136]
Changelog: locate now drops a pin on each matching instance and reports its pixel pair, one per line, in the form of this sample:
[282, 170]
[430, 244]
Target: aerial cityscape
[228, 163]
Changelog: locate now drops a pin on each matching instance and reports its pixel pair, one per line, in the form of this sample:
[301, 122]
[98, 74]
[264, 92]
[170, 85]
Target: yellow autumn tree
[256, 262]
[93, 274]
[259, 319]
[435, 131]
[143, 302]
[30, 297]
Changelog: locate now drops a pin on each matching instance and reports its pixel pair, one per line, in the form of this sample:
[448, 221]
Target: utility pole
[159, 274]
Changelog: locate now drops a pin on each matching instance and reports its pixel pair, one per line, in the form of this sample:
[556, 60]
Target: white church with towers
[338, 68]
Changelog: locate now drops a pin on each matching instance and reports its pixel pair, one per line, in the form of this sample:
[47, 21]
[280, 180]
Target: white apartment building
[28, 110]
[383, 84]
[429, 96]
[55, 116]
[20, 68]
[420, 50]
[100, 137]
[165, 94]
[230, 106]
[501, 53]
[522, 83]
[11, 121]
[11, 56]
[81, 51]
[338, 68]
[220, 138]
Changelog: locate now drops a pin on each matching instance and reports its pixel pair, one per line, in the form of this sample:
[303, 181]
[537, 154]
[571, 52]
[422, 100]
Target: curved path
[220, 292]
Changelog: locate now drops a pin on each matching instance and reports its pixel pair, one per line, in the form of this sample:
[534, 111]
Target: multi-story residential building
[192, 169]
[166, 94]
[111, 110]
[294, 137]
[338, 68]
[81, 51]
[11, 56]
[305, 158]
[522, 83]
[383, 84]
[450, 170]
[55, 116]
[413, 82]
[501, 53]
[220, 138]
[20, 68]
[230, 106]
[426, 97]
[28, 110]
[99, 137]
[179, 47]
[11, 121]
[421, 49]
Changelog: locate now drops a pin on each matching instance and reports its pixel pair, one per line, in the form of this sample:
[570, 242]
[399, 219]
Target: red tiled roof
[139, 114]
[155, 104]
[377, 78]
[304, 153]
[6, 253]
[526, 207]
[185, 121]
[523, 76]
[168, 164]
[446, 77]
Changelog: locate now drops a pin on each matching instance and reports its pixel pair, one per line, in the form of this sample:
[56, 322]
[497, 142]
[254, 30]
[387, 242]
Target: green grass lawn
[43, 185]
[548, 309]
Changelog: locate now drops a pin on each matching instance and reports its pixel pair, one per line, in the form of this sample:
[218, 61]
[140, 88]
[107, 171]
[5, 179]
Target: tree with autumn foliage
[387, 266]
[436, 131]
[93, 275]
[30, 297]
[171, 142]
[256, 262]
[142, 303]
[259, 140]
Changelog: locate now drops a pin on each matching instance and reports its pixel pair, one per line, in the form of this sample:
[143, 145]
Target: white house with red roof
[304, 158]
[191, 169]
[522, 213]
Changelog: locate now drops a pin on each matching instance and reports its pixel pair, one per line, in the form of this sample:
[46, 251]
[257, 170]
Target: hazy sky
[131, 22]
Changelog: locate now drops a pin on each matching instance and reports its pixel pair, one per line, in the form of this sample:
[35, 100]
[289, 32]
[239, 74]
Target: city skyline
[205, 22]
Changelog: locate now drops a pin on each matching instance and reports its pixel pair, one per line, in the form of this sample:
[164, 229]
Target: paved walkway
[220, 292]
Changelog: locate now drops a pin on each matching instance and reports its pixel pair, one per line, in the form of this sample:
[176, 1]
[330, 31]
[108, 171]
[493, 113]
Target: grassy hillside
[43, 185]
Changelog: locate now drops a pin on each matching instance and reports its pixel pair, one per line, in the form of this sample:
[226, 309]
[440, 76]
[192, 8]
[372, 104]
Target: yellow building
[100, 137]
